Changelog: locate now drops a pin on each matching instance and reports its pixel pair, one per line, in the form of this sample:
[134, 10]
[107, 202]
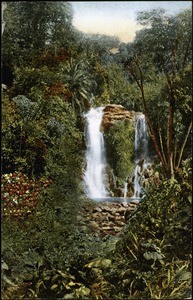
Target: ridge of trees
[157, 64]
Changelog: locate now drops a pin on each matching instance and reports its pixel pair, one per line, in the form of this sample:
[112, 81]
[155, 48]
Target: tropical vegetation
[51, 75]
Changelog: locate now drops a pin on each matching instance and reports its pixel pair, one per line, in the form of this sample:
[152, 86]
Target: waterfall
[125, 190]
[95, 175]
[137, 185]
[142, 158]
[141, 138]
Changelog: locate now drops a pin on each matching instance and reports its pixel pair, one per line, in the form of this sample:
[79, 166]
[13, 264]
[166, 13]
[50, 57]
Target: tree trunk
[169, 139]
[170, 122]
[175, 152]
[148, 120]
[187, 52]
[154, 141]
[150, 126]
[161, 145]
[3, 7]
[183, 146]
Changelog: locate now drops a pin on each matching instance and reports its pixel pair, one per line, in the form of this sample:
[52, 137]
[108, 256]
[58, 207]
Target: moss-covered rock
[119, 140]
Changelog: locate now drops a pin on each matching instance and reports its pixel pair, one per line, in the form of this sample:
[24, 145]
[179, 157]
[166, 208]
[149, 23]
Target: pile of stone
[107, 218]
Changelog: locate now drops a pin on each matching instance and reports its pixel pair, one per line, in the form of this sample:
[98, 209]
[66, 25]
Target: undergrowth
[52, 257]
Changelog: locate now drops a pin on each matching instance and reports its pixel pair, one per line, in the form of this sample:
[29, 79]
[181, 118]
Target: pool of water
[116, 199]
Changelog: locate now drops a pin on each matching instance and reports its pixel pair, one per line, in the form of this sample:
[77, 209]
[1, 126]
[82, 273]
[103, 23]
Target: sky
[117, 18]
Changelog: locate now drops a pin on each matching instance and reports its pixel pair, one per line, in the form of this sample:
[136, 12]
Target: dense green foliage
[151, 259]
[52, 74]
[47, 24]
[119, 141]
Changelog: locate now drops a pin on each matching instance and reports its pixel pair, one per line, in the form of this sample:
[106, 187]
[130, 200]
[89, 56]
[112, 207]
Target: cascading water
[137, 185]
[95, 175]
[142, 159]
[141, 138]
[125, 190]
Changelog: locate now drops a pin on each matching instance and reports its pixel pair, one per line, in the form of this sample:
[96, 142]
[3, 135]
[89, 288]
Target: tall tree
[32, 27]
[167, 41]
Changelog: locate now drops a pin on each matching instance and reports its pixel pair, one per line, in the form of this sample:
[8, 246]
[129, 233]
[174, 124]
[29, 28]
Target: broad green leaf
[47, 278]
[71, 283]
[184, 275]
[99, 262]
[53, 287]
[69, 296]
[64, 275]
[83, 291]
[153, 255]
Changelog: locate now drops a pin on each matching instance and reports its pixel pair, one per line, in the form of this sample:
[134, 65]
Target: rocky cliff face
[113, 113]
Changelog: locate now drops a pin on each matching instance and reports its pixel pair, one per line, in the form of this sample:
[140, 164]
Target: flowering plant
[20, 194]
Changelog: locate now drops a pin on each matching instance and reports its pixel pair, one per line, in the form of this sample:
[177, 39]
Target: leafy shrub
[49, 283]
[152, 258]
[27, 108]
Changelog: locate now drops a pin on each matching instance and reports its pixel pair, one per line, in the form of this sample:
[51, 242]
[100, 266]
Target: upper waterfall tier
[141, 138]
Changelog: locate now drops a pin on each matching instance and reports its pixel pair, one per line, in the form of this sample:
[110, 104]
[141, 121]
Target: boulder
[121, 210]
[135, 201]
[97, 209]
[113, 113]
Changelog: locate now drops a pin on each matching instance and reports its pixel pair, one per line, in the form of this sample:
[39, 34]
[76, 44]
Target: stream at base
[116, 199]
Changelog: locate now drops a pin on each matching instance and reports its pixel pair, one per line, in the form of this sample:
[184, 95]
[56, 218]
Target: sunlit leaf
[98, 262]
[53, 287]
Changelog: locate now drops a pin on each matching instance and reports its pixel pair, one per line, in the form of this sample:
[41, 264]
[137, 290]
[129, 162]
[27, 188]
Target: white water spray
[142, 159]
[95, 175]
[137, 185]
[125, 190]
[141, 138]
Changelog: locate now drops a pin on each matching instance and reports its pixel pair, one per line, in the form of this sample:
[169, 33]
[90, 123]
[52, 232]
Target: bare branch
[183, 145]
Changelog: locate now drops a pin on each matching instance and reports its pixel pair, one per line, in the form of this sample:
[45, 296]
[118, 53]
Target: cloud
[116, 18]
[123, 28]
